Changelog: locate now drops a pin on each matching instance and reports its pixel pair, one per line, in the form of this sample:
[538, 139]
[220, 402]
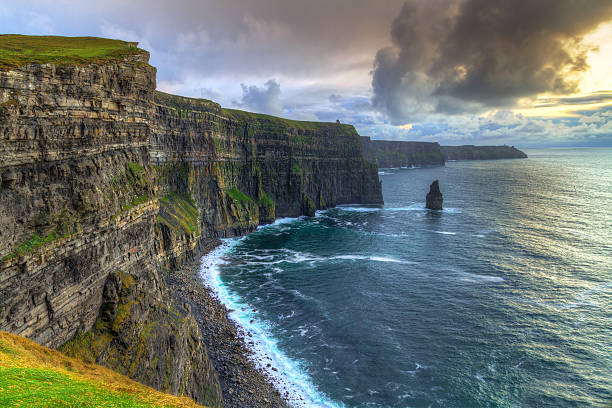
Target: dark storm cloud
[467, 56]
[238, 38]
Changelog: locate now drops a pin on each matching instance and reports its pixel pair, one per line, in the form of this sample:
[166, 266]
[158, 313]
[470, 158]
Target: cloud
[463, 57]
[262, 100]
[469, 56]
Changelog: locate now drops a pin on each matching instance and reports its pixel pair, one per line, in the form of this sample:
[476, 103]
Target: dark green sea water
[504, 299]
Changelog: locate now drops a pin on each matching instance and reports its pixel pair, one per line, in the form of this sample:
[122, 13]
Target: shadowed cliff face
[390, 153]
[107, 185]
[471, 152]
[244, 169]
[78, 208]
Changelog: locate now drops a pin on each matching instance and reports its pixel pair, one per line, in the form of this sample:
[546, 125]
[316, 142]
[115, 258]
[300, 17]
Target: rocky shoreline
[242, 384]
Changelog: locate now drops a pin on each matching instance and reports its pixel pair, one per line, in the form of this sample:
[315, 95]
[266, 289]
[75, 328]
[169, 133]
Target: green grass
[35, 376]
[131, 187]
[296, 169]
[34, 242]
[183, 103]
[36, 387]
[19, 50]
[266, 201]
[239, 197]
[179, 213]
[270, 121]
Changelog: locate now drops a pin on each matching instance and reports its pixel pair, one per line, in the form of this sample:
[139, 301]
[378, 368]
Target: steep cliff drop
[471, 152]
[108, 186]
[434, 198]
[391, 153]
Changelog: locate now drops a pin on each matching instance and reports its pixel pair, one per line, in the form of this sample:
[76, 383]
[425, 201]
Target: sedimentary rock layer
[471, 152]
[390, 153]
[108, 185]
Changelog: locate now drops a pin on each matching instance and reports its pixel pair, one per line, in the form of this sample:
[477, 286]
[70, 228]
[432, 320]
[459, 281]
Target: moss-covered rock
[139, 335]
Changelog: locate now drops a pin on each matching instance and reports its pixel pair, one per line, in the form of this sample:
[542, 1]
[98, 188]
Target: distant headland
[394, 153]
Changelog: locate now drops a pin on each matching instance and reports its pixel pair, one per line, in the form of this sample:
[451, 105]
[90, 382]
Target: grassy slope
[19, 50]
[35, 376]
[275, 121]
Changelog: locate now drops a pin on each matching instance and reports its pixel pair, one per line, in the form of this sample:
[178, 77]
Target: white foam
[287, 375]
[280, 221]
[476, 278]
[370, 258]
[445, 232]
[358, 209]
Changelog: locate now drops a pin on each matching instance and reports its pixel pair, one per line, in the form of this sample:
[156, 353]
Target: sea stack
[433, 201]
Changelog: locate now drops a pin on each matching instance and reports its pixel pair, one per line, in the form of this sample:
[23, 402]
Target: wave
[288, 375]
[280, 221]
[476, 278]
[412, 207]
[370, 258]
[296, 257]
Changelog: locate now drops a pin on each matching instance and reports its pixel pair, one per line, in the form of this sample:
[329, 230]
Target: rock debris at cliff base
[242, 384]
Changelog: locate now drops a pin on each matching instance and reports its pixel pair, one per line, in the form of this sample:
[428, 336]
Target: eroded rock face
[79, 204]
[106, 185]
[471, 152]
[246, 169]
[434, 197]
[140, 335]
[393, 153]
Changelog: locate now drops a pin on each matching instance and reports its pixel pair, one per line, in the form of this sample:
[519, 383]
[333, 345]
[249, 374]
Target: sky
[529, 73]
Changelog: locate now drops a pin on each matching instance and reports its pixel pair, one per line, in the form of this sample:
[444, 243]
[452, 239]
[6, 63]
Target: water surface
[503, 299]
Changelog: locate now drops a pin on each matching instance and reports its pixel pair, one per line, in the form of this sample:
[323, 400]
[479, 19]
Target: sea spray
[288, 376]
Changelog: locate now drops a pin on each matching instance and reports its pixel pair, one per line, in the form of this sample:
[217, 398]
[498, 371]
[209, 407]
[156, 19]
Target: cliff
[471, 152]
[245, 169]
[107, 186]
[389, 153]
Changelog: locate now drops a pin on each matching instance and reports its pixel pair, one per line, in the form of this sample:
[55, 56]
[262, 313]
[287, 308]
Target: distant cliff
[390, 153]
[471, 152]
[106, 186]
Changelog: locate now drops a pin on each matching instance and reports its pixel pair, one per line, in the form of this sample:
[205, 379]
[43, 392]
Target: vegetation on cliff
[108, 186]
[19, 50]
[179, 213]
[270, 122]
[35, 376]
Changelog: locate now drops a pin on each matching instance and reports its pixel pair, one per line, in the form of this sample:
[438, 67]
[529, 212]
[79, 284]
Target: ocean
[502, 299]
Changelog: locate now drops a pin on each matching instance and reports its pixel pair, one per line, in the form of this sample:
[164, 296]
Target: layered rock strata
[391, 153]
[108, 185]
[471, 152]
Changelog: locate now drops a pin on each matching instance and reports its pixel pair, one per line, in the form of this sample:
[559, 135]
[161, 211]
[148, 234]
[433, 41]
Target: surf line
[288, 375]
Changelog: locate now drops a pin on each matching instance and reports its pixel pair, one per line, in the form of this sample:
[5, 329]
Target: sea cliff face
[471, 152]
[245, 169]
[79, 207]
[108, 185]
[390, 153]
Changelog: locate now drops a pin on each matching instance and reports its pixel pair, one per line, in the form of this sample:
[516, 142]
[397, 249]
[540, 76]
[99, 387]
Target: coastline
[243, 385]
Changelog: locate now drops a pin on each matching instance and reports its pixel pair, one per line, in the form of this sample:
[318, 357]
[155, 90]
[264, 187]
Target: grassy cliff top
[269, 121]
[35, 376]
[274, 121]
[186, 103]
[19, 50]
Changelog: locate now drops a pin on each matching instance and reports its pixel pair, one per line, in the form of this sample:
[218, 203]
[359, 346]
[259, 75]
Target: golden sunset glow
[595, 85]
